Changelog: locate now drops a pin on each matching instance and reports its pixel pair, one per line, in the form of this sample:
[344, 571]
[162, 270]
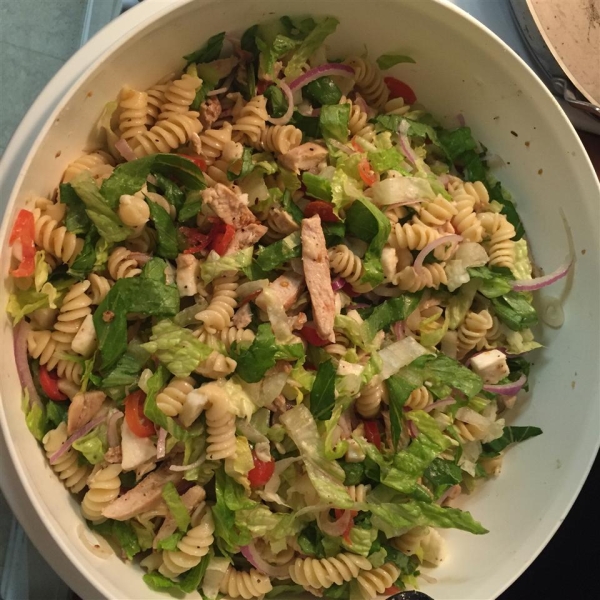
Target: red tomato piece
[24, 231]
[356, 145]
[309, 333]
[399, 89]
[262, 471]
[392, 590]
[49, 383]
[323, 209]
[199, 162]
[221, 237]
[366, 173]
[137, 421]
[372, 433]
[197, 240]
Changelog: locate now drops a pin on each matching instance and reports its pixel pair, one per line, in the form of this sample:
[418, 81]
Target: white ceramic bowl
[461, 67]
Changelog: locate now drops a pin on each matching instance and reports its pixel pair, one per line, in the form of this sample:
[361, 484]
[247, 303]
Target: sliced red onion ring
[506, 389]
[125, 150]
[111, 428]
[289, 96]
[161, 443]
[405, 143]
[79, 433]
[325, 70]
[193, 465]
[337, 527]
[399, 331]
[338, 283]
[20, 333]
[140, 257]
[445, 239]
[340, 146]
[440, 404]
[413, 430]
[530, 285]
[224, 88]
[258, 562]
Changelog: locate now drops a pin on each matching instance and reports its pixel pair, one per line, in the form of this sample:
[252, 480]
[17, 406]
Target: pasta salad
[270, 330]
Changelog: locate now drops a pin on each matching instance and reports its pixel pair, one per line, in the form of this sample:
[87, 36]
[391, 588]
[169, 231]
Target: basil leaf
[322, 91]
[387, 61]
[76, 219]
[209, 52]
[322, 395]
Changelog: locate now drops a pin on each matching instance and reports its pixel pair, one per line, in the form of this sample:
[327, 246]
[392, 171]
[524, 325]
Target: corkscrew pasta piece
[99, 287]
[190, 549]
[134, 109]
[156, 99]
[395, 213]
[41, 345]
[225, 337]
[396, 106]
[216, 365]
[214, 141]
[437, 212]
[67, 467]
[339, 348]
[74, 309]
[245, 584]
[56, 210]
[55, 239]
[499, 245]
[179, 95]
[220, 423]
[493, 336]
[465, 222]
[143, 240]
[428, 276]
[359, 492]
[472, 330]
[280, 138]
[375, 582]
[323, 573]
[121, 265]
[172, 398]
[369, 81]
[251, 121]
[419, 398]
[217, 173]
[133, 210]
[369, 401]
[99, 164]
[478, 191]
[167, 134]
[358, 123]
[410, 542]
[69, 370]
[412, 236]
[103, 487]
[217, 316]
[346, 264]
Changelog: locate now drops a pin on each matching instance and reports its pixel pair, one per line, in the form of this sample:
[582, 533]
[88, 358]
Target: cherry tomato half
[262, 471]
[366, 173]
[309, 333]
[199, 162]
[399, 89]
[137, 421]
[221, 235]
[323, 209]
[372, 433]
[24, 231]
[49, 383]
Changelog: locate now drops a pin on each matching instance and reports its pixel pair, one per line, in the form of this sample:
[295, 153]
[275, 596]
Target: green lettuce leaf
[35, 417]
[361, 540]
[170, 542]
[276, 254]
[322, 91]
[76, 219]
[85, 261]
[167, 234]
[492, 282]
[384, 160]
[511, 435]
[127, 370]
[317, 187]
[191, 206]
[442, 475]
[56, 413]
[322, 395]
[231, 262]
[500, 195]
[399, 390]
[93, 445]
[309, 126]
[170, 190]
[333, 121]
[210, 51]
[276, 102]
[391, 311]
[271, 52]
[122, 532]
[176, 506]
[387, 61]
[24, 302]
[515, 310]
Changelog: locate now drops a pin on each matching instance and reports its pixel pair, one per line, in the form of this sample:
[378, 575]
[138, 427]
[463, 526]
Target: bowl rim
[130, 24]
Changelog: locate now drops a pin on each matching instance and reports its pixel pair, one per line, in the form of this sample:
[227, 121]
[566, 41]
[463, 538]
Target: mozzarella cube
[135, 450]
[195, 403]
[490, 366]
[85, 341]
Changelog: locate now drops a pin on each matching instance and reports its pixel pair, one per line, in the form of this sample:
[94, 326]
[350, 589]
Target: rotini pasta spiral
[69, 370]
[395, 213]
[374, 582]
[369, 81]
[217, 173]
[99, 164]
[252, 120]
[468, 432]
[222, 305]
[99, 287]
[478, 191]
[472, 330]
[74, 309]
[143, 240]
[216, 365]
[67, 467]
[245, 584]
[103, 487]
[225, 337]
[339, 348]
[429, 276]
[323, 573]
[220, 426]
[134, 109]
[493, 336]
[419, 398]
[179, 96]
[172, 398]
[156, 99]
[358, 123]
[167, 134]
[55, 239]
[437, 212]
[42, 346]
[121, 265]
[214, 141]
[369, 401]
[396, 106]
[280, 138]
[358, 493]
[412, 236]
[465, 222]
[346, 264]
[191, 548]
[500, 247]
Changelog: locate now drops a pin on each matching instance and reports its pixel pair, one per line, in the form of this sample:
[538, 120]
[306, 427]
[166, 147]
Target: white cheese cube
[490, 366]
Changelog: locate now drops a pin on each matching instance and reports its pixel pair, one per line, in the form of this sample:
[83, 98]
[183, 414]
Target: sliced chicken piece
[315, 262]
[83, 409]
[245, 237]
[113, 455]
[297, 321]
[242, 317]
[303, 157]
[186, 276]
[282, 220]
[191, 499]
[210, 111]
[232, 208]
[287, 288]
[143, 496]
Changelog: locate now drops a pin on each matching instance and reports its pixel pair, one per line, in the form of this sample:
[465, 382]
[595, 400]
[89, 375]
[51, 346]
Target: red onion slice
[399, 330]
[289, 96]
[413, 430]
[193, 465]
[258, 562]
[530, 285]
[337, 527]
[445, 239]
[338, 283]
[79, 433]
[340, 146]
[325, 70]
[161, 443]
[125, 150]
[20, 333]
[407, 150]
[440, 404]
[506, 389]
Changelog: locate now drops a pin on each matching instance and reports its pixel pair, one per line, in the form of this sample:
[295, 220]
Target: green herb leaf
[170, 190]
[84, 262]
[176, 506]
[498, 194]
[322, 91]
[209, 51]
[309, 126]
[167, 234]
[276, 254]
[276, 102]
[322, 395]
[492, 282]
[191, 206]
[390, 311]
[76, 219]
[333, 121]
[510, 435]
[515, 311]
[387, 61]
[317, 187]
[399, 390]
